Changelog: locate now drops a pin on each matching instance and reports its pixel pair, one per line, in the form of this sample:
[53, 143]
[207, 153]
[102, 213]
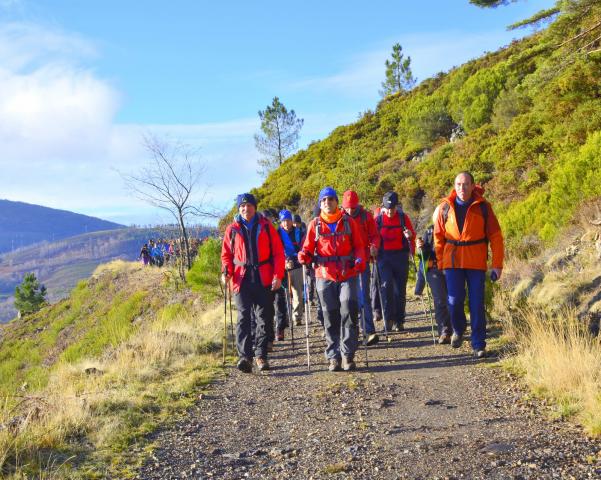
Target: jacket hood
[477, 194]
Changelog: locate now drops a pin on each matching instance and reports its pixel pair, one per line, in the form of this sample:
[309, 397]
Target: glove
[359, 265]
[304, 258]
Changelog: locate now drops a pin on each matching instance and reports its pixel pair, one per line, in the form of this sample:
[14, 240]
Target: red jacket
[391, 232]
[270, 251]
[346, 245]
[369, 231]
[474, 254]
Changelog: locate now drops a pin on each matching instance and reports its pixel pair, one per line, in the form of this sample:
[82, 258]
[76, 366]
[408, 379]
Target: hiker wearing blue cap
[335, 247]
[292, 240]
[252, 259]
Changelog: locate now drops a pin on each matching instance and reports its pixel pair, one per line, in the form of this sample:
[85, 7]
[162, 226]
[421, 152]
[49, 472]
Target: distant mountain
[23, 224]
[60, 265]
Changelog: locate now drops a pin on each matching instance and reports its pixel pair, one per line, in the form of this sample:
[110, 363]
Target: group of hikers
[163, 252]
[355, 264]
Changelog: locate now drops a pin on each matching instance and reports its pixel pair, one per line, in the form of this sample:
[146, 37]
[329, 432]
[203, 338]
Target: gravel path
[420, 411]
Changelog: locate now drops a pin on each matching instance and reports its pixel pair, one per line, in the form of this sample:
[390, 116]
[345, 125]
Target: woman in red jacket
[335, 247]
[252, 258]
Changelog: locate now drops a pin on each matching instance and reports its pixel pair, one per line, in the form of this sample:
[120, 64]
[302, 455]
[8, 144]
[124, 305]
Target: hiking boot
[334, 365]
[399, 327]
[480, 353]
[269, 347]
[280, 336]
[372, 339]
[298, 323]
[456, 340]
[244, 365]
[348, 364]
[377, 316]
[262, 364]
[444, 339]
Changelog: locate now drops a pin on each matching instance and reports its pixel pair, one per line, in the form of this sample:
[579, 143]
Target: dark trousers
[340, 314]
[253, 296]
[376, 307]
[394, 272]
[281, 309]
[456, 279]
[438, 287]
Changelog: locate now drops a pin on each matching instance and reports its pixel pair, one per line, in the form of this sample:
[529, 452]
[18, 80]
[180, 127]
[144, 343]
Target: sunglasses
[328, 199]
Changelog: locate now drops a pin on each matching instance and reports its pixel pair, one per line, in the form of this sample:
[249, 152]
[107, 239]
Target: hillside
[525, 120]
[60, 265]
[23, 224]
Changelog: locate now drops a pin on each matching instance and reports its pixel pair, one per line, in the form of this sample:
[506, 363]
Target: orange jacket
[473, 254]
[334, 254]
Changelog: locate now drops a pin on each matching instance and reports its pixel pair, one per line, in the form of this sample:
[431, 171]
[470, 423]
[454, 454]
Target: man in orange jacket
[464, 228]
[252, 259]
[369, 234]
[334, 245]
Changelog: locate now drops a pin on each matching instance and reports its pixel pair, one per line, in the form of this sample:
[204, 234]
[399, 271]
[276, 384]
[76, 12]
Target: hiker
[334, 244]
[436, 281]
[292, 239]
[281, 311]
[371, 240]
[144, 254]
[297, 222]
[397, 243]
[252, 258]
[465, 226]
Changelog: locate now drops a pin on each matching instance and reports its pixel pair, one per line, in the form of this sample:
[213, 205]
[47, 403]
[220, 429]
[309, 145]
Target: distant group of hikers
[355, 264]
[164, 252]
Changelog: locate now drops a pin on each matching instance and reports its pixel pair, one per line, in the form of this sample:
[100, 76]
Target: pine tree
[280, 130]
[399, 77]
[30, 296]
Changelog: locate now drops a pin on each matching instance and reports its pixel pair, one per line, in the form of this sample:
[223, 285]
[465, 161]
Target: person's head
[286, 219]
[328, 200]
[350, 201]
[297, 220]
[247, 205]
[464, 185]
[389, 203]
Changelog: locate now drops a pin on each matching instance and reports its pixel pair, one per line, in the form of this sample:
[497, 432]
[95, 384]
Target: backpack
[379, 223]
[319, 233]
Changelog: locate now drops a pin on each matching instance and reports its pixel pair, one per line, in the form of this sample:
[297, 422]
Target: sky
[82, 83]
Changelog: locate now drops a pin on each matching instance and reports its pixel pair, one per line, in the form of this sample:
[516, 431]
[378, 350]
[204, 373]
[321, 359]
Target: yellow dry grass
[562, 361]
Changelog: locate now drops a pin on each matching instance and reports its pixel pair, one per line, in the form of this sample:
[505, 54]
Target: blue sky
[84, 80]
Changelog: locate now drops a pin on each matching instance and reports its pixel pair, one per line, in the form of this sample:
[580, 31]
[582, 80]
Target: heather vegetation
[524, 119]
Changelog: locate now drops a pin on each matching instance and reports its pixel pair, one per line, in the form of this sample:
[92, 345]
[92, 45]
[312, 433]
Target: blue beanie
[285, 215]
[246, 198]
[327, 192]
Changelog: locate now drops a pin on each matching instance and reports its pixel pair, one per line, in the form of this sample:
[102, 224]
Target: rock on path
[420, 411]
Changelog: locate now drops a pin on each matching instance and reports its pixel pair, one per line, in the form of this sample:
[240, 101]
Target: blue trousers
[365, 301]
[394, 271]
[456, 279]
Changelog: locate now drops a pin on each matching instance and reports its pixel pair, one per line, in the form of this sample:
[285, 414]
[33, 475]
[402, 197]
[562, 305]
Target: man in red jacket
[369, 234]
[397, 243]
[334, 245]
[252, 259]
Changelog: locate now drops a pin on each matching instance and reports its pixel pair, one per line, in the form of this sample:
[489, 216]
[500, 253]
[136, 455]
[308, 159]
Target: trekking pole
[427, 311]
[288, 298]
[363, 322]
[307, 315]
[428, 293]
[379, 289]
[232, 325]
[224, 322]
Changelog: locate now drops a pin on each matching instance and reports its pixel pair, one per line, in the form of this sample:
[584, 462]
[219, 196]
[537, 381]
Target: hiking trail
[421, 411]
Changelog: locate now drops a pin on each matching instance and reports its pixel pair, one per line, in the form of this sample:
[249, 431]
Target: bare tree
[169, 182]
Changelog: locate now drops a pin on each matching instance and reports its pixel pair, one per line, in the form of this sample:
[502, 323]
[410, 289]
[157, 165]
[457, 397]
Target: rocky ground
[419, 411]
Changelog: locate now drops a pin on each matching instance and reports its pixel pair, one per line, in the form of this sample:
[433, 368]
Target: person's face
[328, 205]
[287, 224]
[464, 187]
[296, 224]
[350, 211]
[247, 211]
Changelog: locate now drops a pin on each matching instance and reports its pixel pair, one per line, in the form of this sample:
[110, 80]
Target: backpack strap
[247, 264]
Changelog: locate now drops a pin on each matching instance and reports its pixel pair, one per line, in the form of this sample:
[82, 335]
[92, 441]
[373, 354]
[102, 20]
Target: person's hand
[304, 258]
[359, 265]
[408, 234]
[419, 243]
[276, 284]
[225, 278]
[496, 274]
[289, 264]
[373, 251]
